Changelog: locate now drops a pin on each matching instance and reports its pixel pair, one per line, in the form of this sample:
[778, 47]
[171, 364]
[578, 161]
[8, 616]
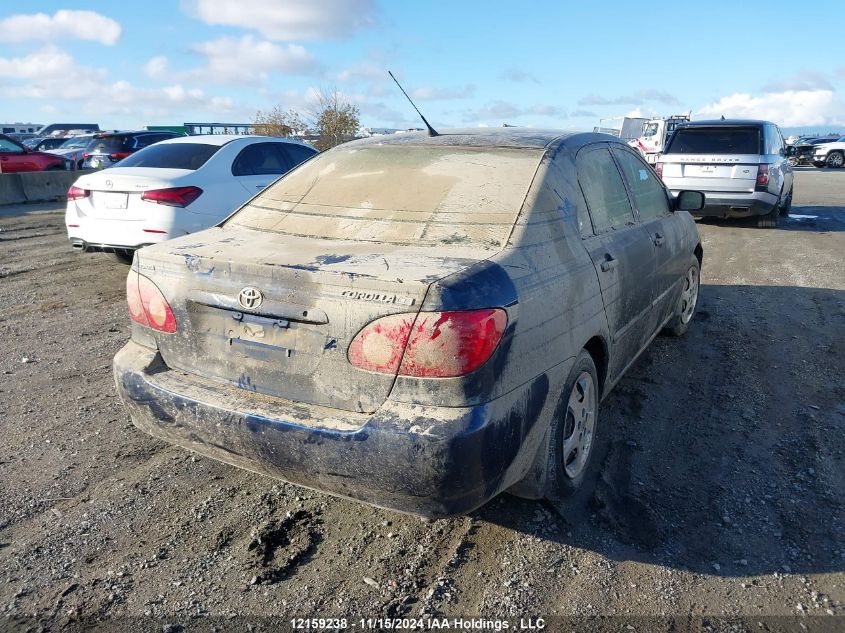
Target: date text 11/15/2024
[417, 624]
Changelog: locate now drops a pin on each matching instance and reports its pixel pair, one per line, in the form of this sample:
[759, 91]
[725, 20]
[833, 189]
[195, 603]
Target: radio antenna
[431, 130]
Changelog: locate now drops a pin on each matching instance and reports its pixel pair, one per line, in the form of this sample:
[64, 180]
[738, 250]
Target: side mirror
[689, 201]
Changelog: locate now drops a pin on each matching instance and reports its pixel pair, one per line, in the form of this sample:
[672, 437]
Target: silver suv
[741, 166]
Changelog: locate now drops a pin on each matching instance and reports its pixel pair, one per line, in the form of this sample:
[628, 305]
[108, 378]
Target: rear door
[663, 227]
[259, 164]
[622, 253]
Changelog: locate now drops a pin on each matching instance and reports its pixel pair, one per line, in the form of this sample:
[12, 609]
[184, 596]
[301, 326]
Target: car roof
[223, 139]
[726, 122]
[470, 137]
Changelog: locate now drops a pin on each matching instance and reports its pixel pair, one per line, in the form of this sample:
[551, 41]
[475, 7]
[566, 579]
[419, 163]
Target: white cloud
[292, 20]
[501, 110]
[430, 93]
[803, 80]
[518, 75]
[157, 67]
[247, 60]
[789, 108]
[637, 98]
[82, 25]
[55, 78]
[48, 72]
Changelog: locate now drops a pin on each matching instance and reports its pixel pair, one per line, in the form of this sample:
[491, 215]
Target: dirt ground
[721, 497]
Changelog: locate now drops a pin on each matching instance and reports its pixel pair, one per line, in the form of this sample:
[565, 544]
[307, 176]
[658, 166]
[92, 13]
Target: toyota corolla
[416, 322]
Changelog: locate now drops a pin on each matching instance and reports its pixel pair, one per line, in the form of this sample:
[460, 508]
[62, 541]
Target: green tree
[335, 119]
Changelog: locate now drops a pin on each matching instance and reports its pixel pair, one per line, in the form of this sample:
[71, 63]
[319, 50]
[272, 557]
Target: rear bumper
[735, 205]
[91, 233]
[431, 461]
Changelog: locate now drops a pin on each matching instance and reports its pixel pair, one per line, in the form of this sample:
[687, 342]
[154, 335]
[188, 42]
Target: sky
[466, 63]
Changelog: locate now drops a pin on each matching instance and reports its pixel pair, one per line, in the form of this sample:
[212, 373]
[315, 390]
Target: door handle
[658, 239]
[609, 263]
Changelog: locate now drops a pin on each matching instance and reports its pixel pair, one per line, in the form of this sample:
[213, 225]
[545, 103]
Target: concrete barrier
[36, 186]
[11, 189]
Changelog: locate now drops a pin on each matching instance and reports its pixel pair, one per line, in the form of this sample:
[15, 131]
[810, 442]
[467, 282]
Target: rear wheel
[835, 160]
[123, 255]
[573, 441]
[770, 220]
[687, 301]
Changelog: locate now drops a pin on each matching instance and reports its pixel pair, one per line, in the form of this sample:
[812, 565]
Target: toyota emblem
[250, 298]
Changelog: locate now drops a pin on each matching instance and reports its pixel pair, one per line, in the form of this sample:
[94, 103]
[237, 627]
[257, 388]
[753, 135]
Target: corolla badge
[250, 298]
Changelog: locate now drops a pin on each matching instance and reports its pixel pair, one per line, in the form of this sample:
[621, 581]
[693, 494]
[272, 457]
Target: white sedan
[173, 188]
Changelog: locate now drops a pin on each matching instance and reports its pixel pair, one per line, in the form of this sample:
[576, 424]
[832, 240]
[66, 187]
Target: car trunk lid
[708, 172]
[116, 193]
[316, 296]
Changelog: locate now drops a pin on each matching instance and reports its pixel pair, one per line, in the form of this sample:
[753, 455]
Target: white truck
[626, 128]
[655, 133]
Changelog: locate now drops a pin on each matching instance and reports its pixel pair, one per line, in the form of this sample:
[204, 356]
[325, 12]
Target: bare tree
[335, 120]
[278, 122]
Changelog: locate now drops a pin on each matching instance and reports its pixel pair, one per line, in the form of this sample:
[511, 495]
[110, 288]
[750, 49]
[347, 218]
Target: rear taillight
[75, 193]
[762, 177]
[147, 306]
[119, 155]
[174, 197]
[429, 344]
[85, 154]
[658, 168]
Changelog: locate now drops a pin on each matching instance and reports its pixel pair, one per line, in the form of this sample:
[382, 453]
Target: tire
[786, 206]
[575, 447]
[124, 255]
[835, 160]
[687, 300]
[770, 220]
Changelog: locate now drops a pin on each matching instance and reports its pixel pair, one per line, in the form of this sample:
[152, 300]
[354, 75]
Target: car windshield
[77, 142]
[716, 140]
[172, 156]
[650, 129]
[463, 196]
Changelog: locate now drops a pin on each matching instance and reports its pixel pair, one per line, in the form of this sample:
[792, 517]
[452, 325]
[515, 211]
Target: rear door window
[649, 195]
[172, 156]
[261, 159]
[604, 190]
[716, 140]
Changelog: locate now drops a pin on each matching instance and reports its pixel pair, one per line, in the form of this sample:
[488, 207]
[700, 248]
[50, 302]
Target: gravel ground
[721, 496]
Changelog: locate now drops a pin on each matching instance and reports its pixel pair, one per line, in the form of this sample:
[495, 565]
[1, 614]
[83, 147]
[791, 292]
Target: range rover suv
[740, 165]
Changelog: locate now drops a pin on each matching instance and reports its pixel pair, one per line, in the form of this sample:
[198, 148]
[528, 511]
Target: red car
[15, 158]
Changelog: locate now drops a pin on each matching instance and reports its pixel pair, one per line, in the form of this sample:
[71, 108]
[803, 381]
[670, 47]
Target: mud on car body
[420, 322]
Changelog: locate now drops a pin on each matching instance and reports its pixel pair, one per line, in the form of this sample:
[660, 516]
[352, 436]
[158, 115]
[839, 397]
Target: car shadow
[726, 444]
[819, 219]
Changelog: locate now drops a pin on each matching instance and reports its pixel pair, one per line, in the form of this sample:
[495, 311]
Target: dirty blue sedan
[415, 322]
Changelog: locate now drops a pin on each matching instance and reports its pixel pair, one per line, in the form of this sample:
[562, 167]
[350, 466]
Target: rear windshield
[172, 156]
[463, 196]
[110, 144]
[716, 140]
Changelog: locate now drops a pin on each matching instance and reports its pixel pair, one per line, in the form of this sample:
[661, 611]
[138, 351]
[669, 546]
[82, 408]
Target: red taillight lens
[174, 197]
[762, 177]
[147, 306]
[658, 168]
[75, 193]
[119, 155]
[430, 344]
[85, 154]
